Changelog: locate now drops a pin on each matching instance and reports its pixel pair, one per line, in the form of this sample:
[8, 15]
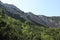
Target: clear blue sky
[38, 7]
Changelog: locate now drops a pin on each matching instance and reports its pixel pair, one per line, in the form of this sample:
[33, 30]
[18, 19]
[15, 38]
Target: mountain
[26, 26]
[16, 29]
[15, 12]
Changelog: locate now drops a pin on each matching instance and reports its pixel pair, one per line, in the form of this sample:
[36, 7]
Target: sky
[38, 7]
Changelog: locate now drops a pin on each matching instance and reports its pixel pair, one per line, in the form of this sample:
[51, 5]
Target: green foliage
[13, 29]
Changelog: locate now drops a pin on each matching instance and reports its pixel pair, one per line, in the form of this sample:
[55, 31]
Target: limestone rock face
[15, 12]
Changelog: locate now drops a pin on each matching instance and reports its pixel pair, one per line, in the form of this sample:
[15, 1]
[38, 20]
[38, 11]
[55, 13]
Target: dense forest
[14, 29]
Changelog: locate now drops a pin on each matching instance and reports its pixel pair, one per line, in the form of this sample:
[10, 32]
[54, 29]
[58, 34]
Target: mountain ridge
[15, 12]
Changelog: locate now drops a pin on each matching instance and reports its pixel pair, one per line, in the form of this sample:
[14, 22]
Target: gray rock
[15, 12]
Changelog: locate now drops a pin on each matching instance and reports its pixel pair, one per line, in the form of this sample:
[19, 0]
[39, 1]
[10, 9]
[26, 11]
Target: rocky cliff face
[15, 12]
[56, 20]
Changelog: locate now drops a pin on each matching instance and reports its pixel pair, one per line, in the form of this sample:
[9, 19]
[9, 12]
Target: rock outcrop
[15, 12]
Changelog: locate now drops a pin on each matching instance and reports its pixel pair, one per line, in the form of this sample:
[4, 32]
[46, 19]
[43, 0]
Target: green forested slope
[13, 29]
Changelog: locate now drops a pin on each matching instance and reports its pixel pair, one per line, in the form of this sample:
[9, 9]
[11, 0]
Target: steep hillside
[16, 13]
[16, 29]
